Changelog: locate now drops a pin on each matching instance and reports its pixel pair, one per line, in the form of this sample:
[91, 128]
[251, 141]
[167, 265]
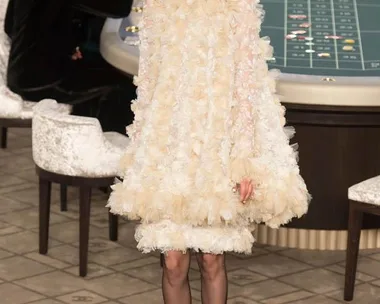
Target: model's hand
[246, 190]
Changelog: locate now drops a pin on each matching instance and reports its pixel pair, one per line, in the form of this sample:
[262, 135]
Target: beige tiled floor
[118, 273]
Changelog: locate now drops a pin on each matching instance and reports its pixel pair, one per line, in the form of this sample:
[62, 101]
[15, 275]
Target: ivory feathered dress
[206, 117]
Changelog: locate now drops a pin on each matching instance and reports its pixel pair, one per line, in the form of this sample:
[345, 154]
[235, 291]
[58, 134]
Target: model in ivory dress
[206, 118]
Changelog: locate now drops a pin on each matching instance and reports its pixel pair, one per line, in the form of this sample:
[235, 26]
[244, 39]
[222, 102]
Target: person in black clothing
[55, 54]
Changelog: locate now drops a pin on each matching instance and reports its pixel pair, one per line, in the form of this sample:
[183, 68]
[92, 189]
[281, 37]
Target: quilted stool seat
[73, 150]
[364, 197]
[367, 191]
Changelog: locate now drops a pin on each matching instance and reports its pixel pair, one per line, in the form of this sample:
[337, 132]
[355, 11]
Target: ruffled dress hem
[166, 236]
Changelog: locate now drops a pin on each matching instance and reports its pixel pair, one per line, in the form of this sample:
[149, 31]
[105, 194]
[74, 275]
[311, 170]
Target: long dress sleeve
[261, 149]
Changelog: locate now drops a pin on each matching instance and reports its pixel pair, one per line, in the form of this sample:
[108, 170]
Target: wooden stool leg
[63, 195]
[113, 221]
[44, 214]
[84, 228]
[4, 137]
[353, 240]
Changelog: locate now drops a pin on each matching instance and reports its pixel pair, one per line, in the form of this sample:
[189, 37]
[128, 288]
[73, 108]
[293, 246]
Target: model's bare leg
[214, 278]
[175, 281]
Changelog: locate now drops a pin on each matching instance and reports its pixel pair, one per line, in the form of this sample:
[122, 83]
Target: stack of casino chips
[134, 18]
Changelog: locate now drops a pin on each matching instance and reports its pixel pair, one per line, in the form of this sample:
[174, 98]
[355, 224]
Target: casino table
[330, 87]
[354, 73]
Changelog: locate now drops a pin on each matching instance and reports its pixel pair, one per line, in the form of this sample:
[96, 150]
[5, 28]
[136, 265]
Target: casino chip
[299, 32]
[297, 17]
[348, 48]
[132, 29]
[290, 36]
[305, 25]
[333, 37]
[324, 55]
[349, 41]
[137, 9]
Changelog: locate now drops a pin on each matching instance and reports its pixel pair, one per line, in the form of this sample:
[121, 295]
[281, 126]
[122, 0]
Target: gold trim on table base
[314, 239]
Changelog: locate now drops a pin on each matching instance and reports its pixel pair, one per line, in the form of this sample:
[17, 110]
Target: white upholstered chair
[14, 111]
[73, 150]
[363, 197]
[17, 113]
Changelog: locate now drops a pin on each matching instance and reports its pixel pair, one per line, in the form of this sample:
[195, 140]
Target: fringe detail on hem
[166, 236]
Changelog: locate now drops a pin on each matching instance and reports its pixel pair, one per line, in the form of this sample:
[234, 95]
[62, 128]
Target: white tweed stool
[17, 113]
[73, 150]
[14, 112]
[363, 198]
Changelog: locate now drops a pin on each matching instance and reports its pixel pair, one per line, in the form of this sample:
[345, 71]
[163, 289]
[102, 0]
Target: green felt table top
[352, 19]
